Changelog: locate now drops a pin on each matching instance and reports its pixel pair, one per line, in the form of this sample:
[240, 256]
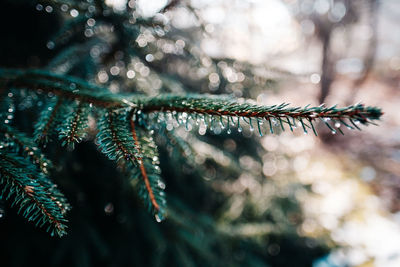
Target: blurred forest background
[240, 199]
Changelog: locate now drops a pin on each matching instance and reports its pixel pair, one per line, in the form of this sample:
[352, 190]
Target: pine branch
[204, 105]
[63, 86]
[20, 143]
[216, 112]
[72, 129]
[48, 119]
[17, 142]
[114, 138]
[151, 189]
[212, 105]
[32, 192]
[137, 152]
[133, 148]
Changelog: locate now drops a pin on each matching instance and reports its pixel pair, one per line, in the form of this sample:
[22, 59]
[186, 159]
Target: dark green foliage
[114, 138]
[24, 169]
[20, 143]
[120, 141]
[276, 115]
[140, 131]
[36, 197]
[280, 114]
[149, 169]
[50, 117]
[72, 128]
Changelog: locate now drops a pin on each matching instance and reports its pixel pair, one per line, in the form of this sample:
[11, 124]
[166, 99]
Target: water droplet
[74, 13]
[50, 45]
[357, 122]
[333, 132]
[228, 131]
[39, 7]
[64, 8]
[91, 9]
[91, 22]
[188, 125]
[158, 218]
[88, 33]
[149, 57]
[327, 119]
[130, 74]
[337, 124]
[240, 129]
[109, 209]
[72, 86]
[217, 130]
[49, 9]
[114, 70]
[161, 185]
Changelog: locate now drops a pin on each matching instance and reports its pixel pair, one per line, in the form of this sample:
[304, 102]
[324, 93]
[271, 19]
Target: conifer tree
[104, 117]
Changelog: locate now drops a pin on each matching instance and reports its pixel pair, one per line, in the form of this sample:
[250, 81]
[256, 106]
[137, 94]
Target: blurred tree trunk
[326, 69]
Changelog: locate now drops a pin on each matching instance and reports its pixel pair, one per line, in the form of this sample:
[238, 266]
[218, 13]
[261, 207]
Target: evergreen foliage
[24, 181]
[133, 128]
[67, 111]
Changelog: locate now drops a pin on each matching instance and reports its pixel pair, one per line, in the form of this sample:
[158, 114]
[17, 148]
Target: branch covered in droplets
[227, 111]
[222, 111]
[124, 121]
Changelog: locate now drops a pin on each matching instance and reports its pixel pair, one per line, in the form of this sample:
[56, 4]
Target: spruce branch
[151, 189]
[205, 105]
[279, 114]
[13, 141]
[114, 137]
[136, 152]
[20, 143]
[72, 129]
[46, 125]
[32, 192]
[126, 121]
